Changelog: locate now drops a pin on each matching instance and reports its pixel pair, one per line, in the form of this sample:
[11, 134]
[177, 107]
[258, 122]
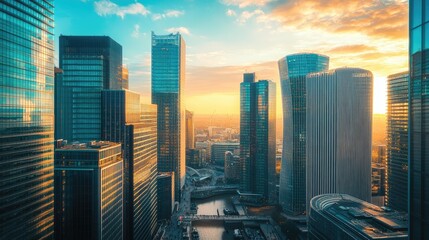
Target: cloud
[231, 12]
[346, 49]
[136, 32]
[167, 14]
[246, 3]
[182, 30]
[246, 15]
[376, 18]
[107, 7]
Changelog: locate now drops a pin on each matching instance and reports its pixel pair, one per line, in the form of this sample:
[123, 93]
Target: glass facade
[134, 125]
[397, 142]
[90, 64]
[168, 79]
[418, 145]
[190, 142]
[89, 191]
[26, 119]
[293, 70]
[258, 136]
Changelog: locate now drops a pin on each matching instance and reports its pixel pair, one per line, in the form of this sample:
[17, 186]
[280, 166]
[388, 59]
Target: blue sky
[228, 37]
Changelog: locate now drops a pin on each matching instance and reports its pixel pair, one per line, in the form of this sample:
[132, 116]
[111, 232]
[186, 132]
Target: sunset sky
[225, 38]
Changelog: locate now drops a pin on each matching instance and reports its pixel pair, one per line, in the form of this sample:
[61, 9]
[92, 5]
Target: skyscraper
[190, 135]
[27, 119]
[397, 142]
[168, 80]
[88, 191]
[258, 136]
[134, 125]
[339, 131]
[293, 70]
[418, 142]
[218, 150]
[90, 64]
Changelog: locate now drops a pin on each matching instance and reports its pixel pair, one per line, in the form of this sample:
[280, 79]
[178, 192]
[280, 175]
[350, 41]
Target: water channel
[211, 206]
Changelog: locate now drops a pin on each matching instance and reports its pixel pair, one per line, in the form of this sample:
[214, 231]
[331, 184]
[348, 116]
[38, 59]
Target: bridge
[230, 218]
[205, 192]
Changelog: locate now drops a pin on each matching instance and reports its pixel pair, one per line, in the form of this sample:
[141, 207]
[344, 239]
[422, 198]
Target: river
[211, 206]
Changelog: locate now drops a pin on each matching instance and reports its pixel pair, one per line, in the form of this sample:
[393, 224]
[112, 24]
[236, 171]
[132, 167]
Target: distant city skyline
[218, 54]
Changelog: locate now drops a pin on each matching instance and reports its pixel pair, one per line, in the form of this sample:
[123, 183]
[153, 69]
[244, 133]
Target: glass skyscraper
[134, 125]
[168, 83]
[397, 142]
[89, 191]
[26, 119]
[293, 70]
[90, 64]
[339, 133]
[418, 145]
[258, 136]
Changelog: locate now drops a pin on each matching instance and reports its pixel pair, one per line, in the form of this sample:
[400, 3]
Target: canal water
[211, 206]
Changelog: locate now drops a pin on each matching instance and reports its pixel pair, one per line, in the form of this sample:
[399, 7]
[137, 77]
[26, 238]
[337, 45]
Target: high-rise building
[340, 216]
[165, 195]
[418, 129]
[88, 191]
[58, 103]
[134, 125]
[218, 151]
[90, 64]
[232, 167]
[27, 119]
[339, 132]
[193, 158]
[258, 136]
[293, 70]
[168, 83]
[397, 142]
[190, 135]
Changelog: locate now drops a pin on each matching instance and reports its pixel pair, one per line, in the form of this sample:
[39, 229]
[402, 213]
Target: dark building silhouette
[418, 128]
[88, 191]
[165, 195]
[90, 64]
[134, 125]
[258, 136]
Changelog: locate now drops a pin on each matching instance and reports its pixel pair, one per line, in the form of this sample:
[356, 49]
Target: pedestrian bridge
[205, 192]
[230, 218]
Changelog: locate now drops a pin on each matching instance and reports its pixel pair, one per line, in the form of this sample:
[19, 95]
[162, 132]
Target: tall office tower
[397, 142]
[218, 150]
[293, 69]
[232, 168]
[88, 191]
[258, 136]
[27, 119]
[126, 121]
[418, 156]
[190, 142]
[339, 125]
[90, 64]
[125, 81]
[168, 83]
[340, 216]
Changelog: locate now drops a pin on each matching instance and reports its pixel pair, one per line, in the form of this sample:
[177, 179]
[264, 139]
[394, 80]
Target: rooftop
[366, 218]
[93, 145]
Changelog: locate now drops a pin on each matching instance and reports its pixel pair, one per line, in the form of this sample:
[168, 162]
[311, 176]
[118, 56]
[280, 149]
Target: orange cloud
[375, 18]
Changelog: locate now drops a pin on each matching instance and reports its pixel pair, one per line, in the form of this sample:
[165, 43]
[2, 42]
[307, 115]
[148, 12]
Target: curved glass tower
[293, 70]
[26, 119]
